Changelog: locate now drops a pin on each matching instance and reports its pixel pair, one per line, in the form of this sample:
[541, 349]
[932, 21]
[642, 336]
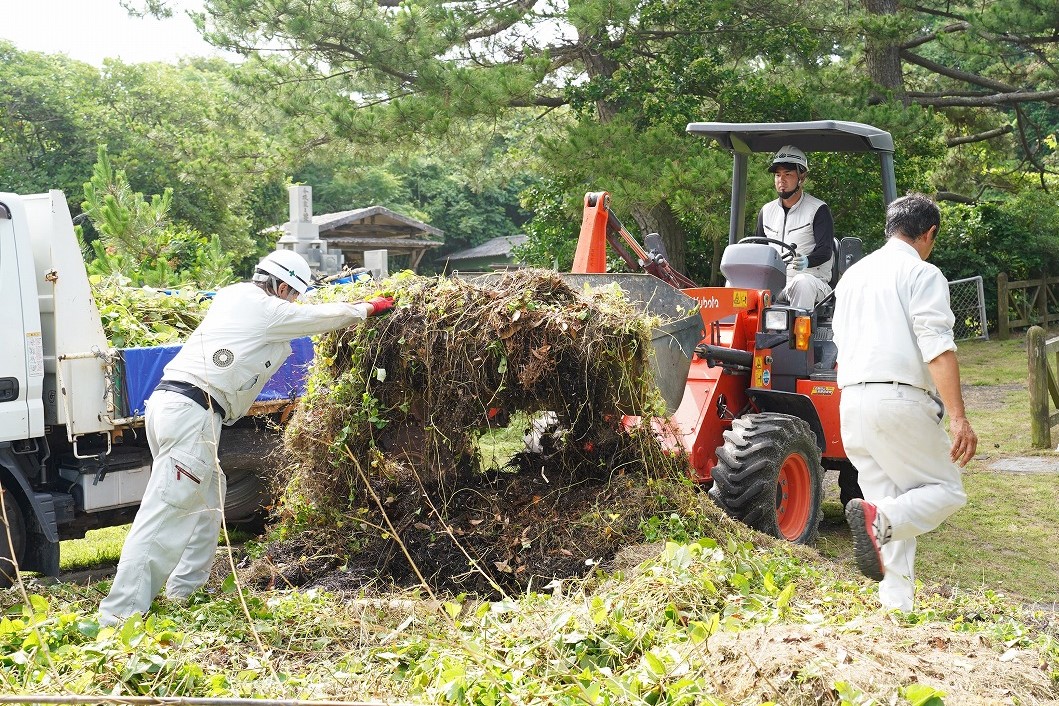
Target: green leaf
[38, 603]
[656, 665]
[922, 695]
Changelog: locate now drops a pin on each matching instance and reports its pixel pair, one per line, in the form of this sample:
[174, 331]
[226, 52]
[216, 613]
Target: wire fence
[967, 298]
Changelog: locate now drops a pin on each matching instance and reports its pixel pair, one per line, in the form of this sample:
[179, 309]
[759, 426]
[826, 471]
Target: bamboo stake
[179, 701]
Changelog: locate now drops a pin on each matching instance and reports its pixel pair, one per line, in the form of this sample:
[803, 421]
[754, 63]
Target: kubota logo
[711, 303]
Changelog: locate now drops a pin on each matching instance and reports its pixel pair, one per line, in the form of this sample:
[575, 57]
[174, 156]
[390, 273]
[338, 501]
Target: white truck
[73, 455]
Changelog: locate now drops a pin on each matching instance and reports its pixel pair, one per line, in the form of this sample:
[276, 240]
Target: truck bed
[140, 369]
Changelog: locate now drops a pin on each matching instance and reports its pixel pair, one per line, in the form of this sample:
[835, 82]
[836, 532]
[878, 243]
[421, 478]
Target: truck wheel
[768, 475]
[246, 456]
[246, 497]
[16, 526]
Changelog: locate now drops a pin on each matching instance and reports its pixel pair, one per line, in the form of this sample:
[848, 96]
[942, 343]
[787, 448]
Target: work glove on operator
[380, 305]
[800, 262]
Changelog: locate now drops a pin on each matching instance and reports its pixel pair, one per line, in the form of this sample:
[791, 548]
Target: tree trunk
[655, 219]
[661, 219]
[882, 57]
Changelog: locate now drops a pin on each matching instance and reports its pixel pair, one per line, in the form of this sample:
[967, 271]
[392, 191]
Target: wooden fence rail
[1033, 301]
[1043, 383]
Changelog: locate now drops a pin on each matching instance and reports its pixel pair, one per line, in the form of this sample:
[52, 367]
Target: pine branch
[1021, 120]
[490, 30]
[953, 196]
[1004, 98]
[930, 37]
[938, 13]
[946, 94]
[538, 102]
[360, 56]
[980, 137]
[961, 75]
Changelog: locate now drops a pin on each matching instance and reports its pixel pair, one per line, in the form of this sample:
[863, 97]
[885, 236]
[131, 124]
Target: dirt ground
[988, 396]
[798, 664]
[495, 534]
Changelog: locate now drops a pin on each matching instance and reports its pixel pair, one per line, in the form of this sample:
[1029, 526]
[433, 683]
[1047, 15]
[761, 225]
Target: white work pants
[174, 536]
[804, 291]
[893, 434]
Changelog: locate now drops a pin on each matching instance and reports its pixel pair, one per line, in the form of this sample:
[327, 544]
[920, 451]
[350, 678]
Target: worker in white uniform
[899, 374]
[214, 378]
[805, 222]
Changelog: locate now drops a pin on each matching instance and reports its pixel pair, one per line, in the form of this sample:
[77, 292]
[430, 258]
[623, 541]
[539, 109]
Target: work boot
[870, 531]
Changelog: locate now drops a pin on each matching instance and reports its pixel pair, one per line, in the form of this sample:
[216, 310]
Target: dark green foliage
[182, 128]
[49, 109]
[1019, 237]
[140, 243]
[554, 227]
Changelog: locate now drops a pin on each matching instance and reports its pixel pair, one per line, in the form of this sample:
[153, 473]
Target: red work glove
[380, 305]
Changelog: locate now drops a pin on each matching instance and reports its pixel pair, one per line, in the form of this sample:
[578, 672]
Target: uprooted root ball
[384, 443]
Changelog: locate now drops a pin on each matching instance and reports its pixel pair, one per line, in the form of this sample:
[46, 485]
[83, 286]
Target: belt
[890, 382]
[192, 392]
[894, 383]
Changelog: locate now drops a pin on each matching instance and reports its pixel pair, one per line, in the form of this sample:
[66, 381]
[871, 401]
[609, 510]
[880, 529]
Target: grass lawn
[98, 548]
[1005, 539]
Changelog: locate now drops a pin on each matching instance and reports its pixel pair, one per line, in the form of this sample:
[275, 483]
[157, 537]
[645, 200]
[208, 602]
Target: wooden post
[1042, 300]
[1040, 429]
[1002, 305]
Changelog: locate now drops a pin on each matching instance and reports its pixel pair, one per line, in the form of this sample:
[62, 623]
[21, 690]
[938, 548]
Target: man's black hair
[911, 216]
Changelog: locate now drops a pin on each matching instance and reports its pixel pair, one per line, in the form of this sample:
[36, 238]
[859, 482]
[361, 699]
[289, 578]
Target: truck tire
[768, 475]
[248, 456]
[16, 526]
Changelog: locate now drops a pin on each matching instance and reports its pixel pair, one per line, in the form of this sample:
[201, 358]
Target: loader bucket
[673, 341]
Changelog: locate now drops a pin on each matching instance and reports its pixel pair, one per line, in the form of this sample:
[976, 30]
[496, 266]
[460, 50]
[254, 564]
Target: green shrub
[1019, 237]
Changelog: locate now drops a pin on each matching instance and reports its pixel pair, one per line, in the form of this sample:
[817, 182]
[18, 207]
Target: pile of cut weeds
[386, 486]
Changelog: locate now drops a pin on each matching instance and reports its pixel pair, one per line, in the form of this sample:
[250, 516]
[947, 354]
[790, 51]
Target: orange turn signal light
[802, 331]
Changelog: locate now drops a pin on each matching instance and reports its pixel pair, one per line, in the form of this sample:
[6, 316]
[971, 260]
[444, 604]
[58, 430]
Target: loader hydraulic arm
[600, 226]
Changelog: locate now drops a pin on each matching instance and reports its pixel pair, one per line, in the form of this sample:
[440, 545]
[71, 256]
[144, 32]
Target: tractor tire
[768, 476]
[16, 529]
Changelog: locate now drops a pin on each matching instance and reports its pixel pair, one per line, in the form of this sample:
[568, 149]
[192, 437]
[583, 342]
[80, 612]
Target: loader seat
[847, 251]
[835, 274]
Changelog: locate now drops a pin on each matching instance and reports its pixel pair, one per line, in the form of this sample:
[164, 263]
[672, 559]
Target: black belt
[192, 392]
[890, 382]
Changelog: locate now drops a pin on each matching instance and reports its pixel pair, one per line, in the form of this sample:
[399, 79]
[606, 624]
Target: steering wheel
[791, 250]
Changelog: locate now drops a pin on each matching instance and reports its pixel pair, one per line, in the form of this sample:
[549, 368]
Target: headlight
[776, 320]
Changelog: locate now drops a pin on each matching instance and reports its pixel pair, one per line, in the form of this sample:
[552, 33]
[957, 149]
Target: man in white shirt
[804, 221]
[212, 380]
[898, 372]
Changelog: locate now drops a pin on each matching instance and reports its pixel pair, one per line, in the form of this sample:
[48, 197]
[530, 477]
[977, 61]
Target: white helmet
[288, 267]
[789, 154]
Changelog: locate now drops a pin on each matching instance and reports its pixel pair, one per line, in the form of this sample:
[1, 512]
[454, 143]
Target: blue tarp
[142, 370]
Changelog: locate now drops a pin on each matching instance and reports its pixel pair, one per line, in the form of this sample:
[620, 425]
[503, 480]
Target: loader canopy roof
[814, 136]
[743, 139]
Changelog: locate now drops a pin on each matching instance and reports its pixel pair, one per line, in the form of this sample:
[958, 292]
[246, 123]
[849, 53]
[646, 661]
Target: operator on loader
[803, 221]
[214, 379]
